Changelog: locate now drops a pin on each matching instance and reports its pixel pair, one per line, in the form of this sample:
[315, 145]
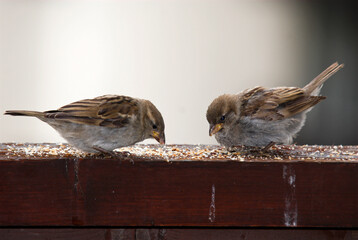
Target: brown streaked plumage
[104, 123]
[259, 116]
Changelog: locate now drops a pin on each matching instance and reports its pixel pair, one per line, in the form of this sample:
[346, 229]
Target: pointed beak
[159, 137]
[215, 128]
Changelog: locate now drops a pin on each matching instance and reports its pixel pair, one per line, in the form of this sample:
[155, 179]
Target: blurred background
[180, 54]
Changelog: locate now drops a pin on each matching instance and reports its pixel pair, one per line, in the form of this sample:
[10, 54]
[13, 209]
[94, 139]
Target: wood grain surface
[177, 234]
[115, 193]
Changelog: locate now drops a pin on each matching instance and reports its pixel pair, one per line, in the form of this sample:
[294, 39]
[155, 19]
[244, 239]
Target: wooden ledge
[290, 186]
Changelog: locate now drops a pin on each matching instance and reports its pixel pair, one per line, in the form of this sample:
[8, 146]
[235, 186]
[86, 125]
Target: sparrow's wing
[109, 111]
[276, 103]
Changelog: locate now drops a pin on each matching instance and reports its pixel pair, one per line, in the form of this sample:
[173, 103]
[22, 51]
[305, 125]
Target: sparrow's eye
[222, 118]
[155, 126]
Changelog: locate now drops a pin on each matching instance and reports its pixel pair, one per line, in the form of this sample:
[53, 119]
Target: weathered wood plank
[63, 234]
[37, 193]
[92, 191]
[176, 233]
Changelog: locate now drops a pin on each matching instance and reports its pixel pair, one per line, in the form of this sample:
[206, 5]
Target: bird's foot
[235, 148]
[113, 154]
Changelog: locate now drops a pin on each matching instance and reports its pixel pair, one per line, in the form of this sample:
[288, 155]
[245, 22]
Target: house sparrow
[261, 116]
[104, 123]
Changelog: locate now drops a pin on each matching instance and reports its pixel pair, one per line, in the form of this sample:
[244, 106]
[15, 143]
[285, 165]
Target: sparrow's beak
[215, 128]
[159, 137]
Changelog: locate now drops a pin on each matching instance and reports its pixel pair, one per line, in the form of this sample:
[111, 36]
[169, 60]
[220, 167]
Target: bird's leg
[232, 149]
[268, 146]
[104, 151]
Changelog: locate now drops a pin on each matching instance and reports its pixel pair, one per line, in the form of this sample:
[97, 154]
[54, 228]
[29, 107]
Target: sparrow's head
[153, 122]
[222, 113]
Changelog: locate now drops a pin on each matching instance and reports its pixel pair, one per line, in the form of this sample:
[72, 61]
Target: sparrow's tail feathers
[24, 113]
[315, 85]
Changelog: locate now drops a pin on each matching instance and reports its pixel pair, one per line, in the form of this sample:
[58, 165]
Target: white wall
[178, 54]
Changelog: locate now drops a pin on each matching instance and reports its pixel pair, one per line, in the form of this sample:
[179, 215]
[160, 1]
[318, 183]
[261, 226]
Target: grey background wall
[179, 54]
